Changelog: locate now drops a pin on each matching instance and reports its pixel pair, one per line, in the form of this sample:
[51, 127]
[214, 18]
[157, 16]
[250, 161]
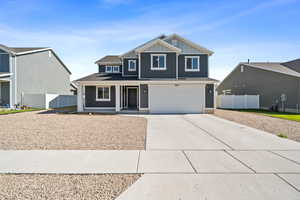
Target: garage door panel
[176, 99]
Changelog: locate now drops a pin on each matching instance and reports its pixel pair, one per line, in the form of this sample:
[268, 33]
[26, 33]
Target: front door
[132, 98]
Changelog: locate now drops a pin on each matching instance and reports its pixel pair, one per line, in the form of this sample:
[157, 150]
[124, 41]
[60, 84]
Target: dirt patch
[66, 187]
[46, 130]
[269, 124]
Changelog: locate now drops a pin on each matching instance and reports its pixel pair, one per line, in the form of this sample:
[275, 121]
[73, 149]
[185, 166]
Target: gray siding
[209, 96]
[146, 71]
[203, 66]
[144, 95]
[102, 68]
[90, 98]
[269, 85]
[4, 62]
[38, 73]
[125, 67]
[4, 88]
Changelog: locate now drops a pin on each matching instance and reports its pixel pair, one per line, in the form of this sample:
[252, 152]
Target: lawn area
[7, 111]
[282, 115]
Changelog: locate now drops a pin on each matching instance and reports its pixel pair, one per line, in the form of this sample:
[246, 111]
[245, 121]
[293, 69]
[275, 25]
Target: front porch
[4, 94]
[127, 98]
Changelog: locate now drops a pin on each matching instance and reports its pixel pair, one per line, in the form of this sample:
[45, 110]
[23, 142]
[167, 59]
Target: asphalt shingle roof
[273, 66]
[111, 59]
[119, 77]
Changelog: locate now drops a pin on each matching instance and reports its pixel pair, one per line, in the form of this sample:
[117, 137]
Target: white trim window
[158, 62]
[192, 63]
[103, 93]
[132, 65]
[112, 69]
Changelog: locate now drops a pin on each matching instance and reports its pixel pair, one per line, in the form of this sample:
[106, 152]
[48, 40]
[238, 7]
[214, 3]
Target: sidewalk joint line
[283, 179]
[138, 162]
[240, 161]
[284, 157]
[208, 133]
[189, 161]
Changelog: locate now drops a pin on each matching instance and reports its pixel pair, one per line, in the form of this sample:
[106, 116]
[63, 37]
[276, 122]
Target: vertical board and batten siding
[209, 96]
[39, 73]
[125, 67]
[203, 59]
[238, 101]
[185, 49]
[4, 93]
[146, 71]
[144, 96]
[90, 98]
[4, 61]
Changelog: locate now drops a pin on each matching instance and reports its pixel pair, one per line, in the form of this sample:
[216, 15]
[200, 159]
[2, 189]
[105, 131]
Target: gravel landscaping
[276, 126]
[45, 130]
[64, 187]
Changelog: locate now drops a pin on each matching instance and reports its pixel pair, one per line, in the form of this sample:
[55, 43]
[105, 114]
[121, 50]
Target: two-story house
[168, 74]
[30, 71]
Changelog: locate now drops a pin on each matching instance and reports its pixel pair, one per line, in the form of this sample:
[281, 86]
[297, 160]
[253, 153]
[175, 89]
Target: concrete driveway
[206, 132]
[230, 161]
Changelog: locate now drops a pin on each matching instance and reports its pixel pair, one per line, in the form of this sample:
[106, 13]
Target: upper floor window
[131, 65]
[112, 69]
[158, 62]
[4, 62]
[192, 63]
[103, 93]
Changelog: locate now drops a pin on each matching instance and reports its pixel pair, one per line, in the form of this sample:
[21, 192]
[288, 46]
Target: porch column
[80, 98]
[117, 98]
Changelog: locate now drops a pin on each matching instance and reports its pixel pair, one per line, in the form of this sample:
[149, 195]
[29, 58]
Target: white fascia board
[158, 41]
[93, 83]
[190, 43]
[4, 75]
[34, 51]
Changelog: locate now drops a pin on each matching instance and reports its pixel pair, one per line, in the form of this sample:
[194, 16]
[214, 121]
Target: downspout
[16, 87]
[177, 57]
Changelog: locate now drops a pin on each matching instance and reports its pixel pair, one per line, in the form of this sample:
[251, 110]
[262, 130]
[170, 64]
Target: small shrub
[282, 135]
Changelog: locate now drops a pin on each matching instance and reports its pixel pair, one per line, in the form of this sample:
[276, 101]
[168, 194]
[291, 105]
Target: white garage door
[176, 99]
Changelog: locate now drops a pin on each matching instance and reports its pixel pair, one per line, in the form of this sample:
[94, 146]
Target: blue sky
[84, 31]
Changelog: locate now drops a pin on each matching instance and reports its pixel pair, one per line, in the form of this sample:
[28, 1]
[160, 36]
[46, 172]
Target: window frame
[129, 69]
[109, 93]
[158, 68]
[112, 69]
[191, 70]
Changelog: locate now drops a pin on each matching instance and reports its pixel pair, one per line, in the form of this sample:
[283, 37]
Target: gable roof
[23, 50]
[189, 43]
[160, 42]
[18, 51]
[274, 67]
[132, 51]
[111, 59]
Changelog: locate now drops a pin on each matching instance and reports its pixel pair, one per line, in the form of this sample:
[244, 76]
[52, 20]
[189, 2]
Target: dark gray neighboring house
[36, 70]
[273, 81]
[168, 74]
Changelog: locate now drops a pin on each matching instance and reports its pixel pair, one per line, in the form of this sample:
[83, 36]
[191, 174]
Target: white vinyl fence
[46, 101]
[238, 101]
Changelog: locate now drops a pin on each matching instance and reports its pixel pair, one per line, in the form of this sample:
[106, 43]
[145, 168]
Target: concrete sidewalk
[99, 162]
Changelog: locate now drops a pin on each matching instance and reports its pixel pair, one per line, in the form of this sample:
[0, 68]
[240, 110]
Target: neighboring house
[168, 74]
[30, 71]
[277, 84]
